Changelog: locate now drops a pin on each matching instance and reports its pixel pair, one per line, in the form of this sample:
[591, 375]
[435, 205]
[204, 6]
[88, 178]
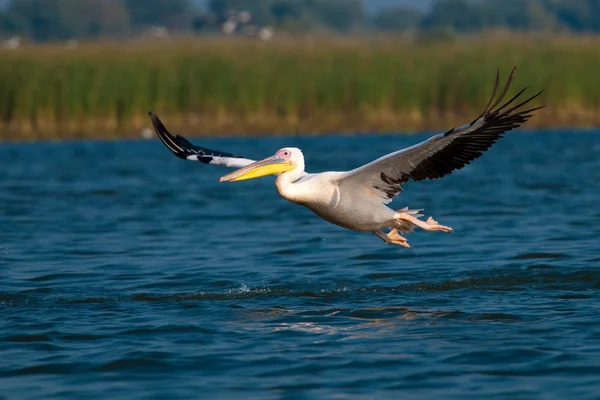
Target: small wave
[285, 252]
[47, 369]
[53, 277]
[81, 337]
[167, 329]
[573, 297]
[508, 355]
[42, 290]
[104, 193]
[541, 266]
[89, 300]
[385, 275]
[514, 278]
[12, 300]
[27, 338]
[382, 256]
[130, 365]
[539, 256]
[494, 317]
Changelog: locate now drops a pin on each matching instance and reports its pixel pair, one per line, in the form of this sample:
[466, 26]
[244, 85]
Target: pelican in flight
[357, 199]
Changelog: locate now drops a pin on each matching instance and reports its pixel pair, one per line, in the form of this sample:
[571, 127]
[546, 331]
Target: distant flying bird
[357, 199]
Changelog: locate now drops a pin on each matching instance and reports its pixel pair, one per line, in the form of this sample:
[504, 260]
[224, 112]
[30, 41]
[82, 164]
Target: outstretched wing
[443, 153]
[182, 148]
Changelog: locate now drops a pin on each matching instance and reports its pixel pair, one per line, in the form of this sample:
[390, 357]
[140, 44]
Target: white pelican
[357, 199]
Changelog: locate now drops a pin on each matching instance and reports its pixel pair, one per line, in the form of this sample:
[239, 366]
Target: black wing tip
[497, 114]
[165, 136]
[182, 147]
[495, 109]
[516, 107]
[493, 101]
[156, 122]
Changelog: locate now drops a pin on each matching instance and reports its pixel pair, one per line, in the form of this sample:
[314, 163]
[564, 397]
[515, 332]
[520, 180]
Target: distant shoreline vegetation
[284, 86]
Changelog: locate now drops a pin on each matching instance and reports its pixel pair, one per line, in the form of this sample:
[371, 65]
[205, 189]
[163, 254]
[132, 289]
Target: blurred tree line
[43, 20]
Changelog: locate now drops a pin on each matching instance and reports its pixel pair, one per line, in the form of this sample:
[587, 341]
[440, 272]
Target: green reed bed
[242, 86]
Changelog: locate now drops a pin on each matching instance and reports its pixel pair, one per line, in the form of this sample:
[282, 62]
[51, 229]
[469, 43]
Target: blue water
[128, 273]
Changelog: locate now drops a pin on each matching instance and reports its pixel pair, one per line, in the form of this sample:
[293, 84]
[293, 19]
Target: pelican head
[285, 160]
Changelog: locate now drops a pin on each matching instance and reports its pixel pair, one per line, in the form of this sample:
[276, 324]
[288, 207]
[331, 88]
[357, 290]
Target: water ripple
[127, 273]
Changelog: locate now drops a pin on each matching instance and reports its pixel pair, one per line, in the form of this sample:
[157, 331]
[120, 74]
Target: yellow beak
[268, 166]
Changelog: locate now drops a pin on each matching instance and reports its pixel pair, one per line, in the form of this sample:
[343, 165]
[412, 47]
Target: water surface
[128, 273]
